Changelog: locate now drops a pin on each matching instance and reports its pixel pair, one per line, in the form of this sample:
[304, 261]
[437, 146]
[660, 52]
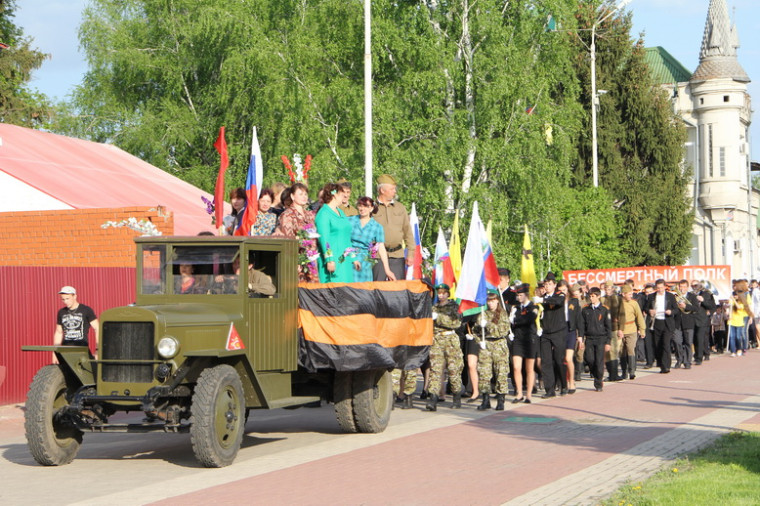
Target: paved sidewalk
[571, 450]
[575, 449]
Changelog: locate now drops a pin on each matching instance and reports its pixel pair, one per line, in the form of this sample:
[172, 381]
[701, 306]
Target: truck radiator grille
[127, 341]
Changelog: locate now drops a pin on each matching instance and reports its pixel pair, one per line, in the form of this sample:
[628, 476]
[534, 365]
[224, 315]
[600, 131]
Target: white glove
[511, 336]
[482, 345]
[538, 300]
[435, 315]
[469, 337]
[539, 332]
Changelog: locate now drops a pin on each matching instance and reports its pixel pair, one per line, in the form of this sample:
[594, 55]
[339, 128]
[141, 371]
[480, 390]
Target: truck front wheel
[51, 441]
[218, 416]
[373, 400]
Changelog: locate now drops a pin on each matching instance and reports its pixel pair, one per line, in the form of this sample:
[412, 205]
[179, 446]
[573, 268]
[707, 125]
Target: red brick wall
[75, 238]
[40, 251]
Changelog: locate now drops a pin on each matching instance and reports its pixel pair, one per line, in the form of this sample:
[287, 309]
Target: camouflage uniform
[494, 359]
[446, 351]
[408, 378]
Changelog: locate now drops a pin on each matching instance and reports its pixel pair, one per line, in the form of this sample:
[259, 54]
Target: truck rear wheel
[373, 400]
[343, 401]
[218, 416]
[51, 442]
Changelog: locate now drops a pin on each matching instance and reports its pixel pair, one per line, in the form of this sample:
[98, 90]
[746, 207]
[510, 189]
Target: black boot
[432, 402]
[457, 401]
[615, 367]
[499, 402]
[407, 402]
[486, 404]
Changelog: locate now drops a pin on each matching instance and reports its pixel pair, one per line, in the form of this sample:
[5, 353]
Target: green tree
[19, 104]
[473, 100]
[641, 144]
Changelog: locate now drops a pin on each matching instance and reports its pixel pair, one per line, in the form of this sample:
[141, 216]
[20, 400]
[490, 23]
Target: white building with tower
[715, 106]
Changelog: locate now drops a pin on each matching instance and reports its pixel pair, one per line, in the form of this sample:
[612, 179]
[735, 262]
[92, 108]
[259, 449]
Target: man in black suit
[704, 305]
[661, 305]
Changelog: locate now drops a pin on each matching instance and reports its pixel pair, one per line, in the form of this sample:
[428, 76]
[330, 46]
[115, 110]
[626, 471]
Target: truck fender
[254, 393]
[75, 362]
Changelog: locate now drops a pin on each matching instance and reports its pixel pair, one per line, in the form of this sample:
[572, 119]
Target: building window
[710, 159]
[725, 98]
[722, 161]
[701, 101]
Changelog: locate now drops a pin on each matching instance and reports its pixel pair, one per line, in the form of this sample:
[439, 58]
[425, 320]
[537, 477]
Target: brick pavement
[570, 450]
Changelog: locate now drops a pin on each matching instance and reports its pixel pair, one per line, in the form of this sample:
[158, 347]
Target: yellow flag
[455, 250]
[488, 234]
[527, 269]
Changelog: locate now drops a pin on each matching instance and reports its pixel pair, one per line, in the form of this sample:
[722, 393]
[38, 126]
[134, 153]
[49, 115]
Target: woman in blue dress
[335, 256]
[364, 233]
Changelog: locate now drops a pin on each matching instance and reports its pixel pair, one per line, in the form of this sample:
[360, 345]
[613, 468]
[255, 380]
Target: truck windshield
[205, 269]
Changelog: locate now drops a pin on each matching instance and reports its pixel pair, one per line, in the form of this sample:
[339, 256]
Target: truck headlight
[168, 347]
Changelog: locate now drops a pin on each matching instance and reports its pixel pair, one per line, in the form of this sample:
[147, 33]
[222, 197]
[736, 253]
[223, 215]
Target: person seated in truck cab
[259, 284]
[186, 282]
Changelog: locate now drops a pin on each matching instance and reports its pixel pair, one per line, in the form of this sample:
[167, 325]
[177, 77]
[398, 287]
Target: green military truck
[217, 331]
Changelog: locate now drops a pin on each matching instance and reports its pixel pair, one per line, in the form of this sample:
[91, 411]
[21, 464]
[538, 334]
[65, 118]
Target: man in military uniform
[494, 358]
[611, 301]
[446, 352]
[394, 218]
[630, 326]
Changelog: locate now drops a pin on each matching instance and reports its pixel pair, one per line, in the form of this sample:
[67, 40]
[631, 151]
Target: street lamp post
[594, 95]
[367, 98]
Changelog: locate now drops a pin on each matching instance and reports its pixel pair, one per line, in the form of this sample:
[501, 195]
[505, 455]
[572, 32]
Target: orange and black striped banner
[359, 326]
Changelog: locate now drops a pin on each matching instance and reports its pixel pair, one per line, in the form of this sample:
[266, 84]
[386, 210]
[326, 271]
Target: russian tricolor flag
[414, 271]
[252, 183]
[479, 271]
[444, 272]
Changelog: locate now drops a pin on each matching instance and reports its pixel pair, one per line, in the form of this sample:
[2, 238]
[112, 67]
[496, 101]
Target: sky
[676, 25]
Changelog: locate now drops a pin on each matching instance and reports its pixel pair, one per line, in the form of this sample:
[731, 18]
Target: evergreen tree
[19, 104]
[641, 144]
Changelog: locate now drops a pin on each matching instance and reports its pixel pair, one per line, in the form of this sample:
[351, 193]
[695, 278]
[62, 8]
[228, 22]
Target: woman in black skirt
[525, 346]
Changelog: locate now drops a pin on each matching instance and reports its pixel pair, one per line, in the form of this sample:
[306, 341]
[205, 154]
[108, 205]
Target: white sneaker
[739, 353]
[733, 354]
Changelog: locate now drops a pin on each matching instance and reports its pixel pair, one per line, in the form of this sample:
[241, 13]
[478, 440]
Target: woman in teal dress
[335, 257]
[364, 233]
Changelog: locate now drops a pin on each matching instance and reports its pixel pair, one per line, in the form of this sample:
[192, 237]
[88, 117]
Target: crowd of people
[527, 339]
[351, 240]
[525, 344]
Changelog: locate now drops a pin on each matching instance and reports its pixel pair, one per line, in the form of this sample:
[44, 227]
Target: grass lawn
[723, 474]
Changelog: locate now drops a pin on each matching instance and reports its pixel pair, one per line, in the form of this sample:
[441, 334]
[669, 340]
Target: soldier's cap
[493, 294]
[576, 287]
[523, 288]
[442, 286]
[627, 289]
[550, 277]
[609, 282]
[343, 182]
[385, 179]
[68, 290]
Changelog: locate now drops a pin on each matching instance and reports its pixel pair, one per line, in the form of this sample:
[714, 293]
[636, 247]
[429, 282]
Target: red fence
[29, 302]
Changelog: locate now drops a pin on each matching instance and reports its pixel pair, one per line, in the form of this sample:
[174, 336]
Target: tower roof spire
[717, 57]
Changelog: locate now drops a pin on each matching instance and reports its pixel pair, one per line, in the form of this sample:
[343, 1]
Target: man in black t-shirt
[74, 322]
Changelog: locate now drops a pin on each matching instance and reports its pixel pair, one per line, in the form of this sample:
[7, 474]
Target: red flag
[221, 146]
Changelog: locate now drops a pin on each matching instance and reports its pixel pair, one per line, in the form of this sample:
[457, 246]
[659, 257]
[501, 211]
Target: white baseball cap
[69, 290]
